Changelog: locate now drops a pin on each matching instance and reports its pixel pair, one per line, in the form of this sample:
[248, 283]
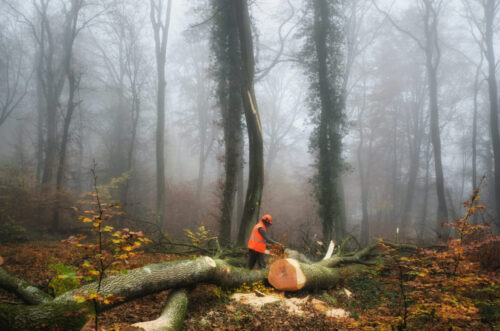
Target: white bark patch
[147, 270]
[330, 250]
[210, 261]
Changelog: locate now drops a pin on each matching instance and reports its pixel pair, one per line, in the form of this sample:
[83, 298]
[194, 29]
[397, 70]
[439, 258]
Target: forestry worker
[258, 241]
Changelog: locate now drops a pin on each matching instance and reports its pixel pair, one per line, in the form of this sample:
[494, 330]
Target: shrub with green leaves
[66, 278]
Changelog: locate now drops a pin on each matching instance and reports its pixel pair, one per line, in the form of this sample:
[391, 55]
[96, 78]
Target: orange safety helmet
[267, 219]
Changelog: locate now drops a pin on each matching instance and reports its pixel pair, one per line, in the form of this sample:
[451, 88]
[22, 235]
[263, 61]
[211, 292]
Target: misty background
[106, 112]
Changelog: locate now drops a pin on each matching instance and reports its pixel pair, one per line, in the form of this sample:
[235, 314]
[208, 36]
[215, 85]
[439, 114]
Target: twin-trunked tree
[234, 67]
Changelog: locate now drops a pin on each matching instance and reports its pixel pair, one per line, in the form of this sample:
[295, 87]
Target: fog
[79, 83]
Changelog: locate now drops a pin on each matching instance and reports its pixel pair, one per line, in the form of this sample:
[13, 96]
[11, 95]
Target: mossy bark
[150, 279]
[229, 276]
[49, 316]
[24, 290]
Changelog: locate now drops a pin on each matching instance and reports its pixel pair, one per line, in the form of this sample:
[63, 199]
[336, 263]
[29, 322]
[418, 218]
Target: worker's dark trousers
[253, 257]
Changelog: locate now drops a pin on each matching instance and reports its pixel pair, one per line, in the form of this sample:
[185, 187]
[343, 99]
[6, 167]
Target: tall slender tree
[160, 20]
[73, 86]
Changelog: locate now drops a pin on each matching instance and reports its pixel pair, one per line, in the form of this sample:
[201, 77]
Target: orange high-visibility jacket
[257, 242]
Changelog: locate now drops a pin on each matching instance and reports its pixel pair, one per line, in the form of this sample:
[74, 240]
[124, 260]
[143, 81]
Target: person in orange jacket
[258, 241]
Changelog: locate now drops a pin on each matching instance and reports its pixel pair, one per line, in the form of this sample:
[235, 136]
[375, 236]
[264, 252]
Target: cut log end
[286, 275]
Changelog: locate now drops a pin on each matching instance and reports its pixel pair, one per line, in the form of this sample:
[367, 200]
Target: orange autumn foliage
[453, 287]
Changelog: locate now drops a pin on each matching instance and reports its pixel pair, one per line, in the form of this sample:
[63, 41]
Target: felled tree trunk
[292, 275]
[24, 290]
[66, 313]
[149, 279]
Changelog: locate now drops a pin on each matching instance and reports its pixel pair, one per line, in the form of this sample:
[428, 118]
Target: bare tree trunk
[410, 192]
[132, 73]
[256, 147]
[474, 130]
[489, 13]
[365, 229]
[40, 124]
[202, 123]
[423, 217]
[442, 215]
[160, 143]
[160, 29]
[433, 56]
[415, 136]
[240, 195]
[73, 83]
[136, 110]
[80, 158]
[395, 168]
[50, 145]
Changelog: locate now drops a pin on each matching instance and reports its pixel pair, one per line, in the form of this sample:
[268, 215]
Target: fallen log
[292, 275]
[148, 279]
[61, 311]
[24, 290]
[172, 316]
[228, 276]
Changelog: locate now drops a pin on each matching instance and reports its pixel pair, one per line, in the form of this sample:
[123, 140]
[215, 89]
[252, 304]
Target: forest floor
[361, 303]
[209, 306]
